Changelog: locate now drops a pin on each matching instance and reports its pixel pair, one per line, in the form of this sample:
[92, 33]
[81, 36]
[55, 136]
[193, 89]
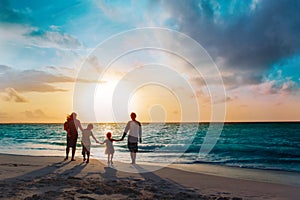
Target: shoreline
[38, 176]
[289, 178]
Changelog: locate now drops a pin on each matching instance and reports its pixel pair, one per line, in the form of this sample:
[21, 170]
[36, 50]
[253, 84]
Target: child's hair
[108, 135]
[90, 126]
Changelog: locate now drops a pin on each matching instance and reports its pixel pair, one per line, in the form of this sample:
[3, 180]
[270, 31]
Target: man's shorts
[133, 147]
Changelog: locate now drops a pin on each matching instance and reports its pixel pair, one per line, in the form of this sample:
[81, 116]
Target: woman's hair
[72, 116]
[108, 135]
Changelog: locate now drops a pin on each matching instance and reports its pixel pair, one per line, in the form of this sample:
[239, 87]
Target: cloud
[4, 68]
[10, 15]
[3, 115]
[33, 36]
[31, 80]
[122, 11]
[14, 96]
[276, 87]
[246, 37]
[52, 39]
[42, 81]
[19, 25]
[38, 113]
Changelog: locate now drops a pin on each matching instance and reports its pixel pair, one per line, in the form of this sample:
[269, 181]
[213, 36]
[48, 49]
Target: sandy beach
[36, 177]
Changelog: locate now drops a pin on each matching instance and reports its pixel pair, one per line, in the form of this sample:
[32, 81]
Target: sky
[170, 61]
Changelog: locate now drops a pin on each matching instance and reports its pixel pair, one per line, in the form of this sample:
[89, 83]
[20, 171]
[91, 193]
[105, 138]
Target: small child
[86, 143]
[109, 150]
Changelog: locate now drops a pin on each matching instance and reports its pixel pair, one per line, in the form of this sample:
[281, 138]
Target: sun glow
[103, 101]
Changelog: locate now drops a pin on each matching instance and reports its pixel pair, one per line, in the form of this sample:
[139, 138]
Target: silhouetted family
[72, 124]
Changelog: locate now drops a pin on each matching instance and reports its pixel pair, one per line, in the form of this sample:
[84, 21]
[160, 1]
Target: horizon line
[170, 122]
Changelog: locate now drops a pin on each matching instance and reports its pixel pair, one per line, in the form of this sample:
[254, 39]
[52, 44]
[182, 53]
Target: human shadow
[164, 188]
[109, 173]
[147, 175]
[54, 175]
[74, 170]
[39, 172]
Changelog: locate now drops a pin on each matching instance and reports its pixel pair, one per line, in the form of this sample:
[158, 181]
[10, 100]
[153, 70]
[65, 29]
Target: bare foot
[72, 159]
[87, 161]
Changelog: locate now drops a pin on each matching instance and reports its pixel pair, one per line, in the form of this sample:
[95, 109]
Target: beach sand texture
[33, 177]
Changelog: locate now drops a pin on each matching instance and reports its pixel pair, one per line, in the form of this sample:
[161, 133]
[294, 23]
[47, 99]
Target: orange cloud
[13, 96]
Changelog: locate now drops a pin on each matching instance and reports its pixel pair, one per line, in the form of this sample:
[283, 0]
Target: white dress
[109, 147]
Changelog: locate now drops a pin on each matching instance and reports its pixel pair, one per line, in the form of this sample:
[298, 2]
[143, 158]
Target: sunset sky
[64, 56]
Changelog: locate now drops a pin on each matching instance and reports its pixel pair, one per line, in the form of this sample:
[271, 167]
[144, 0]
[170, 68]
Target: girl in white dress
[109, 150]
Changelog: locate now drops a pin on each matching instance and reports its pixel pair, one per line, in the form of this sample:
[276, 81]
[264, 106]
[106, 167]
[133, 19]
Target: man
[135, 134]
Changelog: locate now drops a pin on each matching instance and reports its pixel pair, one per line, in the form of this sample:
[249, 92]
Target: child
[109, 150]
[86, 143]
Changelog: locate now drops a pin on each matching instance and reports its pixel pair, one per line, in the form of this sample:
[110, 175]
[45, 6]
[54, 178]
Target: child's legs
[83, 150]
[88, 155]
[108, 158]
[111, 157]
[83, 153]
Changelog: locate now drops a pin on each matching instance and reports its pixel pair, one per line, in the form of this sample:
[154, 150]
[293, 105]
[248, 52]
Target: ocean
[273, 145]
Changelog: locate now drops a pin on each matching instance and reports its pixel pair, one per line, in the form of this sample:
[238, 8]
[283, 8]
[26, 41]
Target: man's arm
[140, 132]
[125, 131]
[123, 136]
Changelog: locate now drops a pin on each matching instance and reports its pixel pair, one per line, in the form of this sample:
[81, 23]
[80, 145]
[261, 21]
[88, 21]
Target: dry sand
[30, 177]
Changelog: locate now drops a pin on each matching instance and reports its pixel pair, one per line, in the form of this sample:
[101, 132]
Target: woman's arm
[94, 138]
[79, 125]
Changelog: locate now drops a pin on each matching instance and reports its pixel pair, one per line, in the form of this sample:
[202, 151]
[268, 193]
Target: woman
[71, 126]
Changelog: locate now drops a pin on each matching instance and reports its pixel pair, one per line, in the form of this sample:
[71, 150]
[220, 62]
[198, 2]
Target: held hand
[123, 136]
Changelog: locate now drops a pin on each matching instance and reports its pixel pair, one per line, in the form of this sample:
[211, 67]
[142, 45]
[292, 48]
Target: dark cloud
[241, 78]
[12, 95]
[247, 39]
[30, 80]
[230, 81]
